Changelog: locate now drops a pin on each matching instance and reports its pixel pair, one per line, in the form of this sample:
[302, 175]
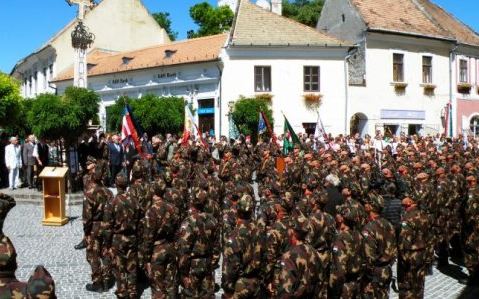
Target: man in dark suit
[116, 158]
[41, 154]
[29, 160]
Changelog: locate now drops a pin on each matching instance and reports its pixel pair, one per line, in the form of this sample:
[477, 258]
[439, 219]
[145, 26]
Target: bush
[246, 116]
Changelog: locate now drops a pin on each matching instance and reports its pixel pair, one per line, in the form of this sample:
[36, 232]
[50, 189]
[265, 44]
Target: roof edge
[411, 34]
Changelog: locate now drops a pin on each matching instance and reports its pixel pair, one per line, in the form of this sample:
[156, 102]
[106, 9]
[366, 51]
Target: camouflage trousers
[376, 284]
[321, 289]
[350, 290]
[245, 288]
[201, 280]
[98, 257]
[411, 275]
[471, 251]
[164, 272]
[125, 261]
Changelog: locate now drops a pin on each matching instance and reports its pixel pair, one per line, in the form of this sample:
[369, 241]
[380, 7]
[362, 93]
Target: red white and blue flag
[130, 130]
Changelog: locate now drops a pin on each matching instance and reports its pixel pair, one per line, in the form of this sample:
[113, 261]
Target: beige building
[118, 26]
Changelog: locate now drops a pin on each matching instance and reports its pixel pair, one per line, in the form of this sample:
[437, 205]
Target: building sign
[119, 81]
[203, 111]
[166, 75]
[403, 114]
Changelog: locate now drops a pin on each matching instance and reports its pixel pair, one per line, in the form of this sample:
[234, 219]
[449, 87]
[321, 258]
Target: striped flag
[130, 130]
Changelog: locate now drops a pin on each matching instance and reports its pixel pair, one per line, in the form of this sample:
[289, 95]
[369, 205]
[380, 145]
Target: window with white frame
[398, 67]
[463, 73]
[262, 78]
[426, 69]
[311, 75]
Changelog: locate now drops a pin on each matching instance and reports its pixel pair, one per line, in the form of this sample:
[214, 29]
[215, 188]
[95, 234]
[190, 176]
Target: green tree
[211, 20]
[10, 101]
[246, 115]
[154, 114]
[303, 11]
[163, 19]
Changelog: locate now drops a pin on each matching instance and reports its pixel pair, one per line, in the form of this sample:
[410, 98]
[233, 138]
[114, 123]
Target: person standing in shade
[116, 158]
[13, 161]
[29, 160]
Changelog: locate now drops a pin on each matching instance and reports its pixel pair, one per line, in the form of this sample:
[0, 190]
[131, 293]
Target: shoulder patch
[404, 224]
[365, 233]
[335, 249]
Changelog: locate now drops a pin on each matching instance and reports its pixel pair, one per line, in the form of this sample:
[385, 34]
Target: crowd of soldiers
[40, 285]
[330, 224]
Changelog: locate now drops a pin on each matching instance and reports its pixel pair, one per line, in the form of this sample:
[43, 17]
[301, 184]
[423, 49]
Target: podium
[53, 182]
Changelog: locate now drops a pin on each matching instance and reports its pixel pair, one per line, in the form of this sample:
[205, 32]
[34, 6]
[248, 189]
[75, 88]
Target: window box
[428, 86]
[264, 96]
[312, 100]
[464, 87]
[401, 86]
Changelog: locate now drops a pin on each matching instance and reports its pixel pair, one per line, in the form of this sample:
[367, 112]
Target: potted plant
[464, 87]
[428, 86]
[399, 86]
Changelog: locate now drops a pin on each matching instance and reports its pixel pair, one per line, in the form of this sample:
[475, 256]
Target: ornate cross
[82, 6]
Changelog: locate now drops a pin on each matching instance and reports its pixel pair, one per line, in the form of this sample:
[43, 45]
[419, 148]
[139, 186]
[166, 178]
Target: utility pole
[81, 41]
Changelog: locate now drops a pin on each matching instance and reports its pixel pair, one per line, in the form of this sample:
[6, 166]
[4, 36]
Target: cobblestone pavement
[53, 247]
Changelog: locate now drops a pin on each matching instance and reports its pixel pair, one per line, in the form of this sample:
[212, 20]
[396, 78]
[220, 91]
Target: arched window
[474, 125]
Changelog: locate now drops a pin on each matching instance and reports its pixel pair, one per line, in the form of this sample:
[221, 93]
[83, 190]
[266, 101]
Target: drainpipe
[451, 94]
[346, 91]
[220, 91]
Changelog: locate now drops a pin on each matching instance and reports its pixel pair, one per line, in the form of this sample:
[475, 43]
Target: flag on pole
[233, 131]
[261, 124]
[289, 137]
[190, 127]
[130, 130]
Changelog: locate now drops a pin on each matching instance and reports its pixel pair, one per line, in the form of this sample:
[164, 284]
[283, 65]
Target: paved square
[53, 247]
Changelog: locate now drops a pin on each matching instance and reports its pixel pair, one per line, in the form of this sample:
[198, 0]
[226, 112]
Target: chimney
[277, 7]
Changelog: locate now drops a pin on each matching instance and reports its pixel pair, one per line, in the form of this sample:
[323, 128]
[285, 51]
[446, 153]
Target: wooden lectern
[53, 180]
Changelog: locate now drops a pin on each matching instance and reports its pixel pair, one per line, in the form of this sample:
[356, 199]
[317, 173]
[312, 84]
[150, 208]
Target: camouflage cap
[376, 201]
[121, 179]
[90, 160]
[41, 285]
[8, 255]
[245, 204]
[301, 226]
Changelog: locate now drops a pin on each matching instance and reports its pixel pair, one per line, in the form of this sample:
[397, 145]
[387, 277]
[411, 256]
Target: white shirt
[13, 156]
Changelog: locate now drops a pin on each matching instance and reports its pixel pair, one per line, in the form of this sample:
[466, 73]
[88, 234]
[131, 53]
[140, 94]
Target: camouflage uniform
[121, 216]
[347, 258]
[297, 274]
[242, 256]
[414, 238]
[10, 287]
[471, 246]
[41, 285]
[380, 251]
[158, 247]
[6, 204]
[198, 249]
[97, 197]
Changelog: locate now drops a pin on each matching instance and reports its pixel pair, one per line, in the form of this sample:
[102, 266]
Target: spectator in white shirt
[13, 161]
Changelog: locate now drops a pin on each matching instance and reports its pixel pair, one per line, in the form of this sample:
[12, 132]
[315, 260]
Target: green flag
[233, 131]
[289, 137]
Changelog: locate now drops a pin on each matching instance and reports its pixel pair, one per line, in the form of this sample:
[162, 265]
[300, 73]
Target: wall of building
[287, 84]
[379, 97]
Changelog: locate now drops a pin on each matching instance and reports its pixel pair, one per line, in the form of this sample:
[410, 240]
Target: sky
[25, 25]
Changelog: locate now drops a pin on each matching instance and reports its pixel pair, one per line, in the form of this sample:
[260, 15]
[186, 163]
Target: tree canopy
[211, 20]
[303, 11]
[154, 114]
[10, 100]
[246, 115]
[163, 19]
[66, 116]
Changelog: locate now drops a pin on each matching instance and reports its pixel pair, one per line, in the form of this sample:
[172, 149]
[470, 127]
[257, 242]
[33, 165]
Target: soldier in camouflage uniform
[158, 248]
[122, 221]
[242, 255]
[41, 285]
[6, 204]
[347, 256]
[87, 179]
[297, 274]
[380, 250]
[198, 250]
[414, 239]
[471, 246]
[97, 197]
[10, 287]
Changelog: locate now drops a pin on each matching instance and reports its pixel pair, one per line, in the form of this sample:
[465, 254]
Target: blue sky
[26, 24]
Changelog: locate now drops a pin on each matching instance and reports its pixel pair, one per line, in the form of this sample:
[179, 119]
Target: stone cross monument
[81, 41]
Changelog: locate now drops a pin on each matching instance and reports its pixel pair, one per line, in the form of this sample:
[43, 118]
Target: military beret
[41, 285]
[90, 160]
[8, 254]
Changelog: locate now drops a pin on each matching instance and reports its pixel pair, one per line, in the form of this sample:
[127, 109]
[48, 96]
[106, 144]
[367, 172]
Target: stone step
[32, 196]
